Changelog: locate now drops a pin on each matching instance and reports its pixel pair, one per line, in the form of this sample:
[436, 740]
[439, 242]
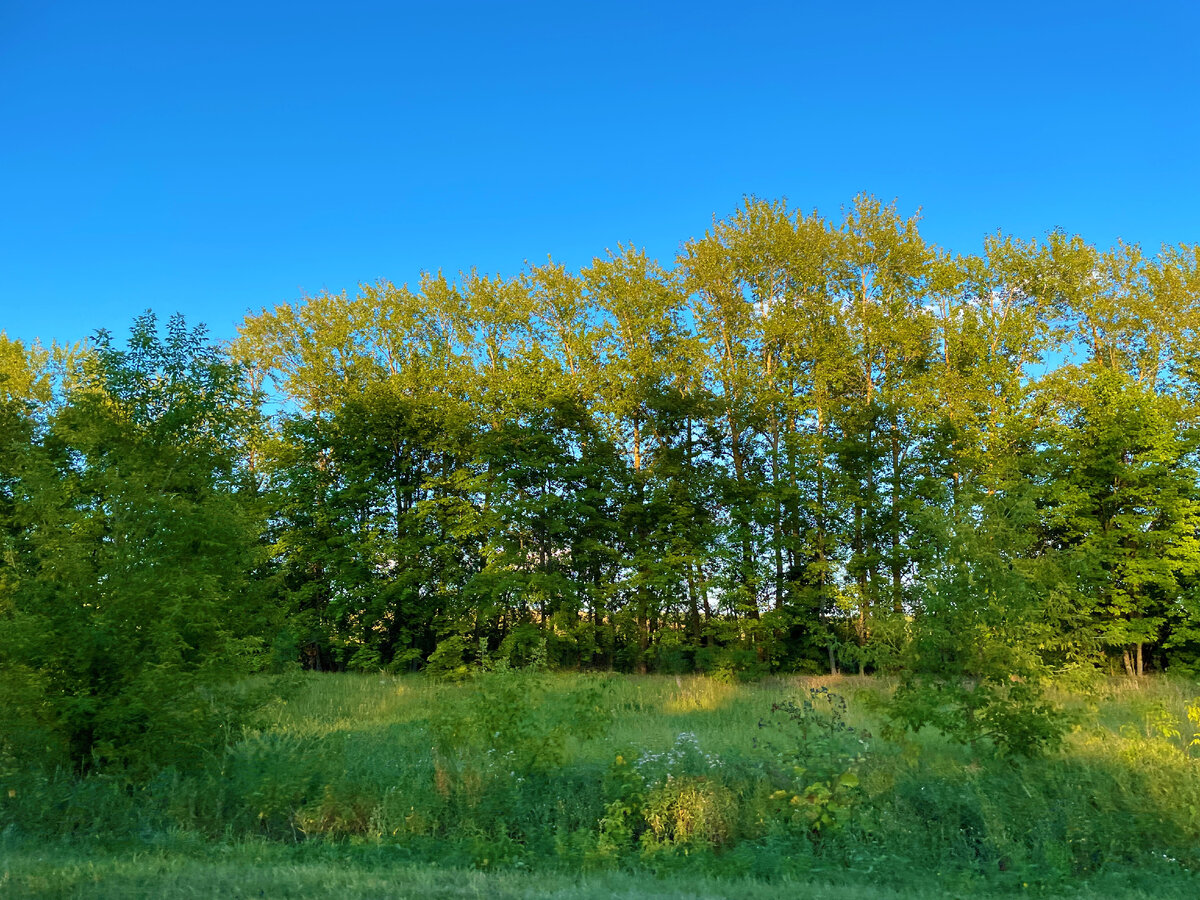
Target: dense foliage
[807, 445]
[131, 538]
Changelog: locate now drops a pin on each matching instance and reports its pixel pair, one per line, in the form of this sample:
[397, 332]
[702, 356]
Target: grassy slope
[360, 729]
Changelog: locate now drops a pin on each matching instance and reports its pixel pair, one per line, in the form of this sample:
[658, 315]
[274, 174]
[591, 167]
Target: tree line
[806, 444]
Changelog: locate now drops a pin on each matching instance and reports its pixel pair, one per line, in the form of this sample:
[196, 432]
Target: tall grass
[680, 777]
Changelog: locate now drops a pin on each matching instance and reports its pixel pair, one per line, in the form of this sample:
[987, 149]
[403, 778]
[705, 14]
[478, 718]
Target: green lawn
[63, 871]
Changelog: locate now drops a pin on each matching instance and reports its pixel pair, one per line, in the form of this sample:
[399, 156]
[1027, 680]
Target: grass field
[516, 785]
[246, 872]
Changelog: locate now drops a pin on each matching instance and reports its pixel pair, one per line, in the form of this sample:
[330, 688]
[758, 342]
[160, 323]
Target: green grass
[382, 786]
[258, 870]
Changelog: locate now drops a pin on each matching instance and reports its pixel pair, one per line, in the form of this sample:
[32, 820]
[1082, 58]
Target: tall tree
[886, 274]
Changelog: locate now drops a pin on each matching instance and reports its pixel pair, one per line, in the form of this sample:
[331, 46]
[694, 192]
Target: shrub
[665, 801]
[447, 662]
[688, 812]
[1012, 715]
[814, 762]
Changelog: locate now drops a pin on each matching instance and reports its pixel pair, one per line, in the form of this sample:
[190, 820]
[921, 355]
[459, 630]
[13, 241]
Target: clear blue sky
[214, 157]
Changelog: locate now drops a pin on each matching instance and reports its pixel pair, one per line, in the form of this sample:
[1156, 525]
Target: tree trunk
[777, 525]
[896, 566]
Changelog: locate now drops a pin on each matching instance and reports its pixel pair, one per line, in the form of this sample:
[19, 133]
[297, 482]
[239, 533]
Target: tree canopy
[804, 444]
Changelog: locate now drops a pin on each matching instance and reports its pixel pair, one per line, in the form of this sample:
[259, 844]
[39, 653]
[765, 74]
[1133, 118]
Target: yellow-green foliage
[687, 813]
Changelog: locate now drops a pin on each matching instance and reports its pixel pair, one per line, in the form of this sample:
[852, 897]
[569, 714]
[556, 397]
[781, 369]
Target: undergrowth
[782, 780]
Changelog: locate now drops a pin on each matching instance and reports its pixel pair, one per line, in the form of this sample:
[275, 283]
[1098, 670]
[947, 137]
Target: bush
[1012, 715]
[816, 756]
[448, 660]
[688, 813]
[130, 605]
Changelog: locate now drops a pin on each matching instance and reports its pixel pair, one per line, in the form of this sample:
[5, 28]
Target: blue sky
[214, 158]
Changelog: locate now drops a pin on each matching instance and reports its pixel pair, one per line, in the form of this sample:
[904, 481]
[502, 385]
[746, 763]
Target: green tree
[132, 605]
[639, 359]
[1121, 510]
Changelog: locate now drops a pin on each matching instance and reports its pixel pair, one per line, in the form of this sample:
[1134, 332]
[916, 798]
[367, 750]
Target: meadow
[516, 784]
